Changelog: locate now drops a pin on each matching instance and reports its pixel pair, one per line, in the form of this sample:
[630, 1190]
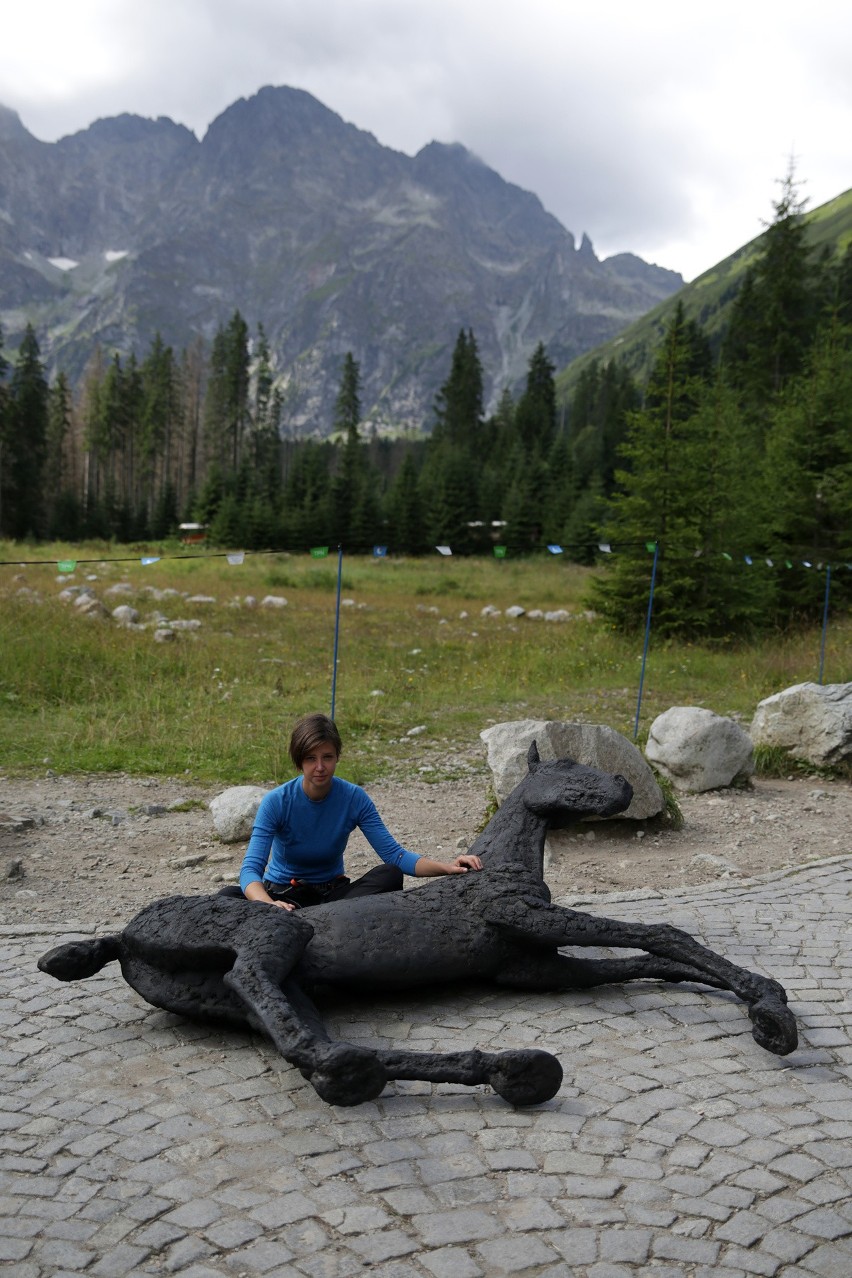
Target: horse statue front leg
[344, 1074]
[671, 955]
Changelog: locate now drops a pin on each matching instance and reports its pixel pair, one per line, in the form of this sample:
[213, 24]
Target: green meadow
[415, 651]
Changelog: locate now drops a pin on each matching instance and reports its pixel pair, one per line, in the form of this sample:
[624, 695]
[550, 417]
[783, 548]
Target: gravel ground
[93, 849]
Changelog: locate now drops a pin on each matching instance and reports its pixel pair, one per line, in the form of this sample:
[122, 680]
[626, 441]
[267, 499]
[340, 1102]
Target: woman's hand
[427, 868]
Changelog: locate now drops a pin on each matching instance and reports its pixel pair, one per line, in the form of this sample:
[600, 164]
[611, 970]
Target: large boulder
[592, 744]
[234, 811]
[813, 721]
[699, 750]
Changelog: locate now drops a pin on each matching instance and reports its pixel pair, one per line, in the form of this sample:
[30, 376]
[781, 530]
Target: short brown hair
[309, 732]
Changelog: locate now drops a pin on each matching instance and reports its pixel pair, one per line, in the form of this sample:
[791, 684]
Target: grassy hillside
[706, 299]
[421, 670]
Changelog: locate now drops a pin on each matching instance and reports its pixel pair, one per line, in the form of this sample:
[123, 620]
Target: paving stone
[513, 1255]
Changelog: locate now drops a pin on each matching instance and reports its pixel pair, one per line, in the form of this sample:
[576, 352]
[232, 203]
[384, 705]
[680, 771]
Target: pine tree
[776, 310]
[227, 398]
[459, 402]
[808, 474]
[25, 444]
[55, 470]
[348, 484]
[535, 414]
[688, 463]
[405, 512]
[4, 430]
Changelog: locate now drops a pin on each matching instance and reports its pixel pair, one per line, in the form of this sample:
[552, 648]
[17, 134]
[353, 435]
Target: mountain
[310, 226]
[707, 298]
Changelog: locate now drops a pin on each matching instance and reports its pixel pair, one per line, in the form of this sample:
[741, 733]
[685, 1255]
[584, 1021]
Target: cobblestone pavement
[135, 1143]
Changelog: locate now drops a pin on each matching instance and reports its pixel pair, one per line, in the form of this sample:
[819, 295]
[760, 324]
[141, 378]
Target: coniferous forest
[735, 459]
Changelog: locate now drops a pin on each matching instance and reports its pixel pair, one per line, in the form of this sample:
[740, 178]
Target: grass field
[88, 695]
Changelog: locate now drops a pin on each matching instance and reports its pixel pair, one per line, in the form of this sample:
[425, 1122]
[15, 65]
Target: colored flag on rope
[443, 550]
[237, 557]
[380, 552]
[748, 560]
[650, 546]
[499, 552]
[605, 547]
[769, 563]
[66, 565]
[555, 550]
[146, 561]
[725, 555]
[319, 552]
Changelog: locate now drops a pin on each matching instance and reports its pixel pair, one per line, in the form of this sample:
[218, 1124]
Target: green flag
[499, 552]
[319, 552]
[67, 565]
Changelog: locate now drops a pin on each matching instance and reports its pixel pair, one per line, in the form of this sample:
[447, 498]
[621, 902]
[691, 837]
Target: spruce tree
[535, 413]
[687, 467]
[776, 310]
[26, 414]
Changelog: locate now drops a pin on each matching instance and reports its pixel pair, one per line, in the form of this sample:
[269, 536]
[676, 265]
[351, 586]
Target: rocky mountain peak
[310, 226]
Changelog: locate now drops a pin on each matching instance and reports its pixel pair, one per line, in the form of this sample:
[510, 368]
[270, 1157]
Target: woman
[295, 855]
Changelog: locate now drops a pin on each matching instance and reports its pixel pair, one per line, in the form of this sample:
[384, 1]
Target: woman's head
[309, 732]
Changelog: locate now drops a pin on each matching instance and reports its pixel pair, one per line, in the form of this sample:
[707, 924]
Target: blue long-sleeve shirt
[295, 837]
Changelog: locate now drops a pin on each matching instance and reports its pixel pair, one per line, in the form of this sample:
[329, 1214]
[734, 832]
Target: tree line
[737, 447]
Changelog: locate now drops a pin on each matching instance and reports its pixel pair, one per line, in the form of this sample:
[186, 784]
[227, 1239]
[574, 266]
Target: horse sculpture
[241, 962]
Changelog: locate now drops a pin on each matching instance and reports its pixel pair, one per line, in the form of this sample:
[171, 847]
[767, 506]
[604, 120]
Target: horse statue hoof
[348, 1075]
[525, 1077]
[773, 1026]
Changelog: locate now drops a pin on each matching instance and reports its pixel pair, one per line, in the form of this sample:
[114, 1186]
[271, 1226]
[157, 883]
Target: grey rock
[813, 721]
[164, 635]
[234, 811]
[125, 615]
[594, 745]
[273, 601]
[699, 750]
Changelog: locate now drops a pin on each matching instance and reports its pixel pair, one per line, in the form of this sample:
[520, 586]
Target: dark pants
[382, 878]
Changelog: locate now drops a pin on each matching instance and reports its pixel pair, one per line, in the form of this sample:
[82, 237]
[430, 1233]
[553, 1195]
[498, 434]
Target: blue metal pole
[824, 622]
[336, 628]
[647, 638]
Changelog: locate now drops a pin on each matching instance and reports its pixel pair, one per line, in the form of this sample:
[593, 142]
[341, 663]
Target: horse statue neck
[513, 836]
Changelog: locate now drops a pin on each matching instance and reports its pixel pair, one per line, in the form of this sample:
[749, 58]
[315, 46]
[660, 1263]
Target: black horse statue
[241, 962]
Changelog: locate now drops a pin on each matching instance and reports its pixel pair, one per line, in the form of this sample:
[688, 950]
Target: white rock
[415, 732]
[234, 810]
[699, 750]
[813, 721]
[189, 623]
[120, 588]
[273, 601]
[125, 615]
[201, 599]
[559, 614]
[595, 745]
[89, 606]
[515, 611]
[164, 635]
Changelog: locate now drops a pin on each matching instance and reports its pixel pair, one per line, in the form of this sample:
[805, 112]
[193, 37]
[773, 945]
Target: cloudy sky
[660, 128]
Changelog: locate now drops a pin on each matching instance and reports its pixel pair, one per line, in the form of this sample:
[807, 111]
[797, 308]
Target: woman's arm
[427, 868]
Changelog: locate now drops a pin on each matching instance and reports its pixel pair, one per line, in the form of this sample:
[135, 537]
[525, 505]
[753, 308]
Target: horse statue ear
[532, 757]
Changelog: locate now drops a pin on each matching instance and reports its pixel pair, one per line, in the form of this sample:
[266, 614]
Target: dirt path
[94, 849]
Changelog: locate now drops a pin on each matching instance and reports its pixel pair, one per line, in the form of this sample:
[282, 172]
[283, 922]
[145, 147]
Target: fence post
[824, 622]
[647, 637]
[336, 628]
